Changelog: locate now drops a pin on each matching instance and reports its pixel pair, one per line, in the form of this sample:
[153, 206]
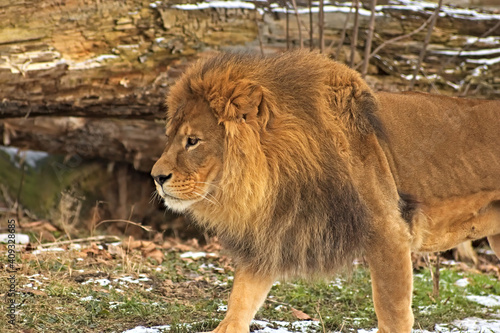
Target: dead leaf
[158, 238]
[132, 245]
[156, 255]
[82, 255]
[193, 242]
[148, 246]
[95, 252]
[300, 315]
[168, 244]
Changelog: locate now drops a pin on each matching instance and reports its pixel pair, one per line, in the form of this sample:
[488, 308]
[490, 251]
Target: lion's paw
[232, 326]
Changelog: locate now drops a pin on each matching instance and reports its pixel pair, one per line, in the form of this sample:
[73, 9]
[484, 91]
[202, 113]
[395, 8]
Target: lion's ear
[246, 103]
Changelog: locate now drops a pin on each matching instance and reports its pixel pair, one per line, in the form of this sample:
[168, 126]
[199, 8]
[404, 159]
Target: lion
[299, 167]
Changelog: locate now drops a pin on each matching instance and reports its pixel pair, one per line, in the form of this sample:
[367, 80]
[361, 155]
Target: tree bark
[104, 58]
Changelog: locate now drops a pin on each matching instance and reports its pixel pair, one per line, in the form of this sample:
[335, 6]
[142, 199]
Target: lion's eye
[192, 142]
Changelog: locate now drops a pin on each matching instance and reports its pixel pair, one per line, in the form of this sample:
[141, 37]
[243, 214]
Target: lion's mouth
[167, 195]
[177, 204]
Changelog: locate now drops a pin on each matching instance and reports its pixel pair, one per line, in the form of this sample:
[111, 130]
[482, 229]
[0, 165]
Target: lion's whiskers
[155, 196]
[214, 201]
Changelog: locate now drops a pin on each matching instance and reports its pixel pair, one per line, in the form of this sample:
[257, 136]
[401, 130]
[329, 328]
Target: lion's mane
[287, 201]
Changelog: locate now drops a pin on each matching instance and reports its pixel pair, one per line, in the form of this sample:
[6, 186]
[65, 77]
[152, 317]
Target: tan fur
[299, 167]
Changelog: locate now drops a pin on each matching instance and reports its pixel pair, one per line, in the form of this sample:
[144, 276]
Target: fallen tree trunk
[138, 142]
[110, 63]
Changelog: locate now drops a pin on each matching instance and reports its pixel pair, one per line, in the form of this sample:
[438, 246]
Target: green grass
[179, 292]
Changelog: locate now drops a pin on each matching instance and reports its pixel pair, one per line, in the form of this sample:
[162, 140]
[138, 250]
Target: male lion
[299, 167]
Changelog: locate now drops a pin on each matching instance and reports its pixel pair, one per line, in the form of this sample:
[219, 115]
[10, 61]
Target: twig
[467, 47]
[148, 229]
[355, 29]
[342, 35]
[435, 278]
[369, 39]
[79, 240]
[287, 27]
[259, 35]
[431, 83]
[321, 26]
[426, 43]
[320, 318]
[294, 4]
[311, 34]
[396, 39]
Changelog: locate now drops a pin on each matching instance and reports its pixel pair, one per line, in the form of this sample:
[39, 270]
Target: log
[139, 142]
[84, 73]
[103, 58]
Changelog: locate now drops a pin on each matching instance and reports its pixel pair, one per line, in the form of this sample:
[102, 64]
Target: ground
[105, 285]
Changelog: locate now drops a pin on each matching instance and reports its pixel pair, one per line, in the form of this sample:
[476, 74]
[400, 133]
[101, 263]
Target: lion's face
[190, 166]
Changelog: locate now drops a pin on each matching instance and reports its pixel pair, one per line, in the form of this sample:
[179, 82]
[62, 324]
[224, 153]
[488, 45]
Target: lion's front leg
[392, 281]
[248, 293]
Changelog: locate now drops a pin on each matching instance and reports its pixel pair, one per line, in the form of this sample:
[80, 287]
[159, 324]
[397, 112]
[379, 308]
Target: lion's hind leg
[495, 244]
[494, 216]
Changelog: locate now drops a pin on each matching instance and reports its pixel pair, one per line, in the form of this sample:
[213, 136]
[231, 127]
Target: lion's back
[442, 146]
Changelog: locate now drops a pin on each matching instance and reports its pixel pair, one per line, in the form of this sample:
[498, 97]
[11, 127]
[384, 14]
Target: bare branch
[311, 31]
[81, 240]
[259, 35]
[321, 26]
[342, 35]
[397, 39]
[467, 47]
[294, 4]
[287, 27]
[426, 43]
[355, 28]
[369, 39]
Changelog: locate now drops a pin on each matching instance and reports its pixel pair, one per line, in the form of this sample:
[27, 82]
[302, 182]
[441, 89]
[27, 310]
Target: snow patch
[31, 157]
[462, 283]
[216, 4]
[197, 255]
[488, 301]
[18, 238]
[50, 249]
[469, 325]
[102, 282]
[468, 53]
[142, 329]
[298, 326]
[488, 62]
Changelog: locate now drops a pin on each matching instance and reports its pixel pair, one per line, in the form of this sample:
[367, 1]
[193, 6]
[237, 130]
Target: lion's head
[214, 155]
[191, 164]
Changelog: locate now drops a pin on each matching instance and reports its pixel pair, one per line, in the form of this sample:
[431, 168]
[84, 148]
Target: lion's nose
[161, 179]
